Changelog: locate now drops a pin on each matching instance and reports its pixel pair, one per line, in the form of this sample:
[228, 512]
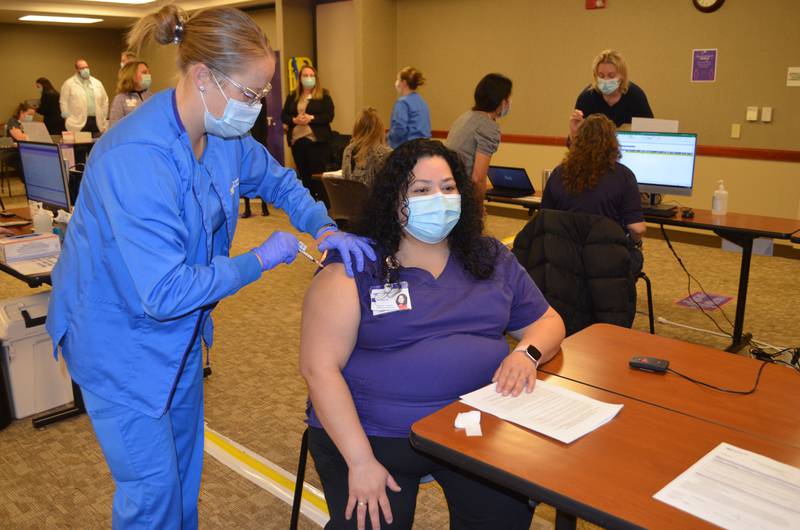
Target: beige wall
[376, 55]
[336, 54]
[162, 59]
[547, 46]
[33, 51]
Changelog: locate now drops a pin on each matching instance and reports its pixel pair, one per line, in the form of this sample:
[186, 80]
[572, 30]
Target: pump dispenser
[719, 204]
[42, 221]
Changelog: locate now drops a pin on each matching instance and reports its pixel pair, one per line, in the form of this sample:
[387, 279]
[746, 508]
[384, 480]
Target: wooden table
[740, 229]
[607, 477]
[598, 356]
[737, 228]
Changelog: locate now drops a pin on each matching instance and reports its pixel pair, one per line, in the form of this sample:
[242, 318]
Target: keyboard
[508, 193]
[4, 224]
[659, 212]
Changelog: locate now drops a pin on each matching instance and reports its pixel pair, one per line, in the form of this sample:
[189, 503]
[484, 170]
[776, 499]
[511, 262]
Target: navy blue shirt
[615, 196]
[632, 104]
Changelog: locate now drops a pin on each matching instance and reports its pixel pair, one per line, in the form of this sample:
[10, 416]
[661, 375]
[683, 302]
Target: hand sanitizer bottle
[43, 221]
[719, 204]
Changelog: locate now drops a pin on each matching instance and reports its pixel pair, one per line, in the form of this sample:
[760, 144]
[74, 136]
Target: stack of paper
[550, 410]
[738, 490]
[35, 267]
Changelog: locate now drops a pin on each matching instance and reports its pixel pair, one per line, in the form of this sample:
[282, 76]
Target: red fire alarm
[595, 4]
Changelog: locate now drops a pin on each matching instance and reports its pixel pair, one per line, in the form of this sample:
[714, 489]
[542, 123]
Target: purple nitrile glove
[348, 244]
[280, 247]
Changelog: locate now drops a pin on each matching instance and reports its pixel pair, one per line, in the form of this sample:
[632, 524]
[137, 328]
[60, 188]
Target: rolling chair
[582, 265]
[346, 198]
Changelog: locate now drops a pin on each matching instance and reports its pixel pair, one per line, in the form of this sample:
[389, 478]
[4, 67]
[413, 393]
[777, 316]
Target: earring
[202, 88]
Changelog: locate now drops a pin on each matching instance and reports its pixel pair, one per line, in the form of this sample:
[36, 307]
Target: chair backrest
[338, 143]
[346, 197]
[582, 265]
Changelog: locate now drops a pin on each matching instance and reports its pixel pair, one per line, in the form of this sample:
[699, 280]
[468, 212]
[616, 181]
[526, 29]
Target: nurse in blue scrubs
[146, 256]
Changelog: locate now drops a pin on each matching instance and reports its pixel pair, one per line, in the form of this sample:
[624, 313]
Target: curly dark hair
[594, 152]
[388, 196]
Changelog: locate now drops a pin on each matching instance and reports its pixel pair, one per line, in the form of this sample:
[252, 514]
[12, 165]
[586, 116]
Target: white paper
[738, 490]
[550, 410]
[793, 76]
[470, 422]
[33, 267]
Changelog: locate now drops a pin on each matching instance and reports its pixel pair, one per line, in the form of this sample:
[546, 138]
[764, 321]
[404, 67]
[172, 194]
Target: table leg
[76, 409]
[740, 339]
[565, 521]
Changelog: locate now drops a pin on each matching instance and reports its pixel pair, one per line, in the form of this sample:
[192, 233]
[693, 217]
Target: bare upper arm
[330, 320]
[480, 167]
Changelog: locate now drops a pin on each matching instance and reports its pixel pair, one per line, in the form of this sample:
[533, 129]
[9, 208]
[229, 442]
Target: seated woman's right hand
[368, 482]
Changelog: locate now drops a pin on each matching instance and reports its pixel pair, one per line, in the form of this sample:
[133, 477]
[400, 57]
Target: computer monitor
[45, 175]
[662, 162]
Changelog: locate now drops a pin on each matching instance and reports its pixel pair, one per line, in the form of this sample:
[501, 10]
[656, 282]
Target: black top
[50, 109]
[632, 104]
[13, 123]
[321, 109]
[616, 196]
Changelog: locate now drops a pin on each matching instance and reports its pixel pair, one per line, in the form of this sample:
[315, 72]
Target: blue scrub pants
[156, 462]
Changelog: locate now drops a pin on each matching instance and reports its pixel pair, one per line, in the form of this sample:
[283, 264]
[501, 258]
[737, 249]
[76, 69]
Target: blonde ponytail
[222, 38]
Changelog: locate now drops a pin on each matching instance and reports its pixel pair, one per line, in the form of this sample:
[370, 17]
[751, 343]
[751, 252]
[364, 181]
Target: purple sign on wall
[274, 107]
[704, 66]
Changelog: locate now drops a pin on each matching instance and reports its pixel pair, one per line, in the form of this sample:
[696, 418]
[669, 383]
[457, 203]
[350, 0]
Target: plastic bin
[35, 380]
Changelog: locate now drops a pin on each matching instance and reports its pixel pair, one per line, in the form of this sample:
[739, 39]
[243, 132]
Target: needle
[302, 249]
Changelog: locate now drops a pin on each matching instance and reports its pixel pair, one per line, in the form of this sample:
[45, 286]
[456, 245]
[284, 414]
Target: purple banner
[274, 108]
[704, 66]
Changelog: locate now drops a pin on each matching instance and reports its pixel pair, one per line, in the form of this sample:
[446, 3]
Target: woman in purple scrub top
[373, 369]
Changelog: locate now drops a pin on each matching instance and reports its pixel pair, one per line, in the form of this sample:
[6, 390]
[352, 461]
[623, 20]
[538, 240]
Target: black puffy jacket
[582, 265]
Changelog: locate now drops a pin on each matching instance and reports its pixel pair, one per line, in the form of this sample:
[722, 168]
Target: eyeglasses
[252, 96]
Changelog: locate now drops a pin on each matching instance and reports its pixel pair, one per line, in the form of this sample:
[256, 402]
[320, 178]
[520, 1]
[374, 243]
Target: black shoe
[246, 214]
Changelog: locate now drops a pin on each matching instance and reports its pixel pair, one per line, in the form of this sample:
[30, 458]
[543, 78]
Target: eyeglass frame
[252, 96]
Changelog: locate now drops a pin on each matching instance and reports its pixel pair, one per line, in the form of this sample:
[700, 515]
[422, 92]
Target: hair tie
[178, 32]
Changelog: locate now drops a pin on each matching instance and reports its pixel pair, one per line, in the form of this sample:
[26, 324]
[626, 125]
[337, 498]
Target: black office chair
[346, 198]
[582, 265]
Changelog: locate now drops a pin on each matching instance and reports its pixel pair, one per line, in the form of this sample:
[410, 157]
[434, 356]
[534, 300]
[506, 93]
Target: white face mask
[237, 119]
[505, 109]
[397, 86]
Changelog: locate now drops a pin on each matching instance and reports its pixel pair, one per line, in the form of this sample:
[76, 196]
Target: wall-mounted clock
[708, 6]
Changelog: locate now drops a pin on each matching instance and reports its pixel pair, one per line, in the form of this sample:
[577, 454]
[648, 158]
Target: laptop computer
[509, 182]
[37, 132]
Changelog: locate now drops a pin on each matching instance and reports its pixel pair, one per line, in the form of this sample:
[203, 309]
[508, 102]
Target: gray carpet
[56, 478]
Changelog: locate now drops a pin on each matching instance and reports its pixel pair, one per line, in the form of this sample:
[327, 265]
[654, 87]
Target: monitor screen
[662, 162]
[43, 169]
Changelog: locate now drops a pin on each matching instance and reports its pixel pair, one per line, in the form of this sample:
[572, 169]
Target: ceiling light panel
[63, 20]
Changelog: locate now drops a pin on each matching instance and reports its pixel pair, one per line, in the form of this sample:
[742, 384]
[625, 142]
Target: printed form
[550, 410]
[738, 490]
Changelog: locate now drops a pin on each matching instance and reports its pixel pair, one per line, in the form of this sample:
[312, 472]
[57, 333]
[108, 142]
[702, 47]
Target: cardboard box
[28, 246]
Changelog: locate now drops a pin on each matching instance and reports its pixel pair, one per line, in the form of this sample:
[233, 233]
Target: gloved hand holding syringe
[303, 249]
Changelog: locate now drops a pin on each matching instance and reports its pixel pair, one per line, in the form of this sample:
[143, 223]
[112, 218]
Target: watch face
[533, 352]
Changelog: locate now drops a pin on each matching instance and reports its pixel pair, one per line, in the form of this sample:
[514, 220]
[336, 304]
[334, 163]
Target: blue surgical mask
[147, 80]
[85, 73]
[608, 86]
[431, 218]
[27, 117]
[237, 119]
[505, 109]
[308, 82]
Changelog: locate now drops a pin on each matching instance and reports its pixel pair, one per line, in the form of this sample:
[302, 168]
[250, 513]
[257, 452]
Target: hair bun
[169, 24]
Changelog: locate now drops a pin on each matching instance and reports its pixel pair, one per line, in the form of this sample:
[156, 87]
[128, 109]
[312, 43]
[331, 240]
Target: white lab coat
[73, 103]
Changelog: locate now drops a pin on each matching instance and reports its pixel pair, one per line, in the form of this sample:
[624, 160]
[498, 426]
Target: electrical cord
[727, 390]
[690, 277]
[756, 351]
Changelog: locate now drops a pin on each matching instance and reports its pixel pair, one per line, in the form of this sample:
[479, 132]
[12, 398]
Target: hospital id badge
[389, 298]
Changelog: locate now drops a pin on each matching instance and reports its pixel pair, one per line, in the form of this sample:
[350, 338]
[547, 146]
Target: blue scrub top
[411, 119]
[408, 364]
[146, 253]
